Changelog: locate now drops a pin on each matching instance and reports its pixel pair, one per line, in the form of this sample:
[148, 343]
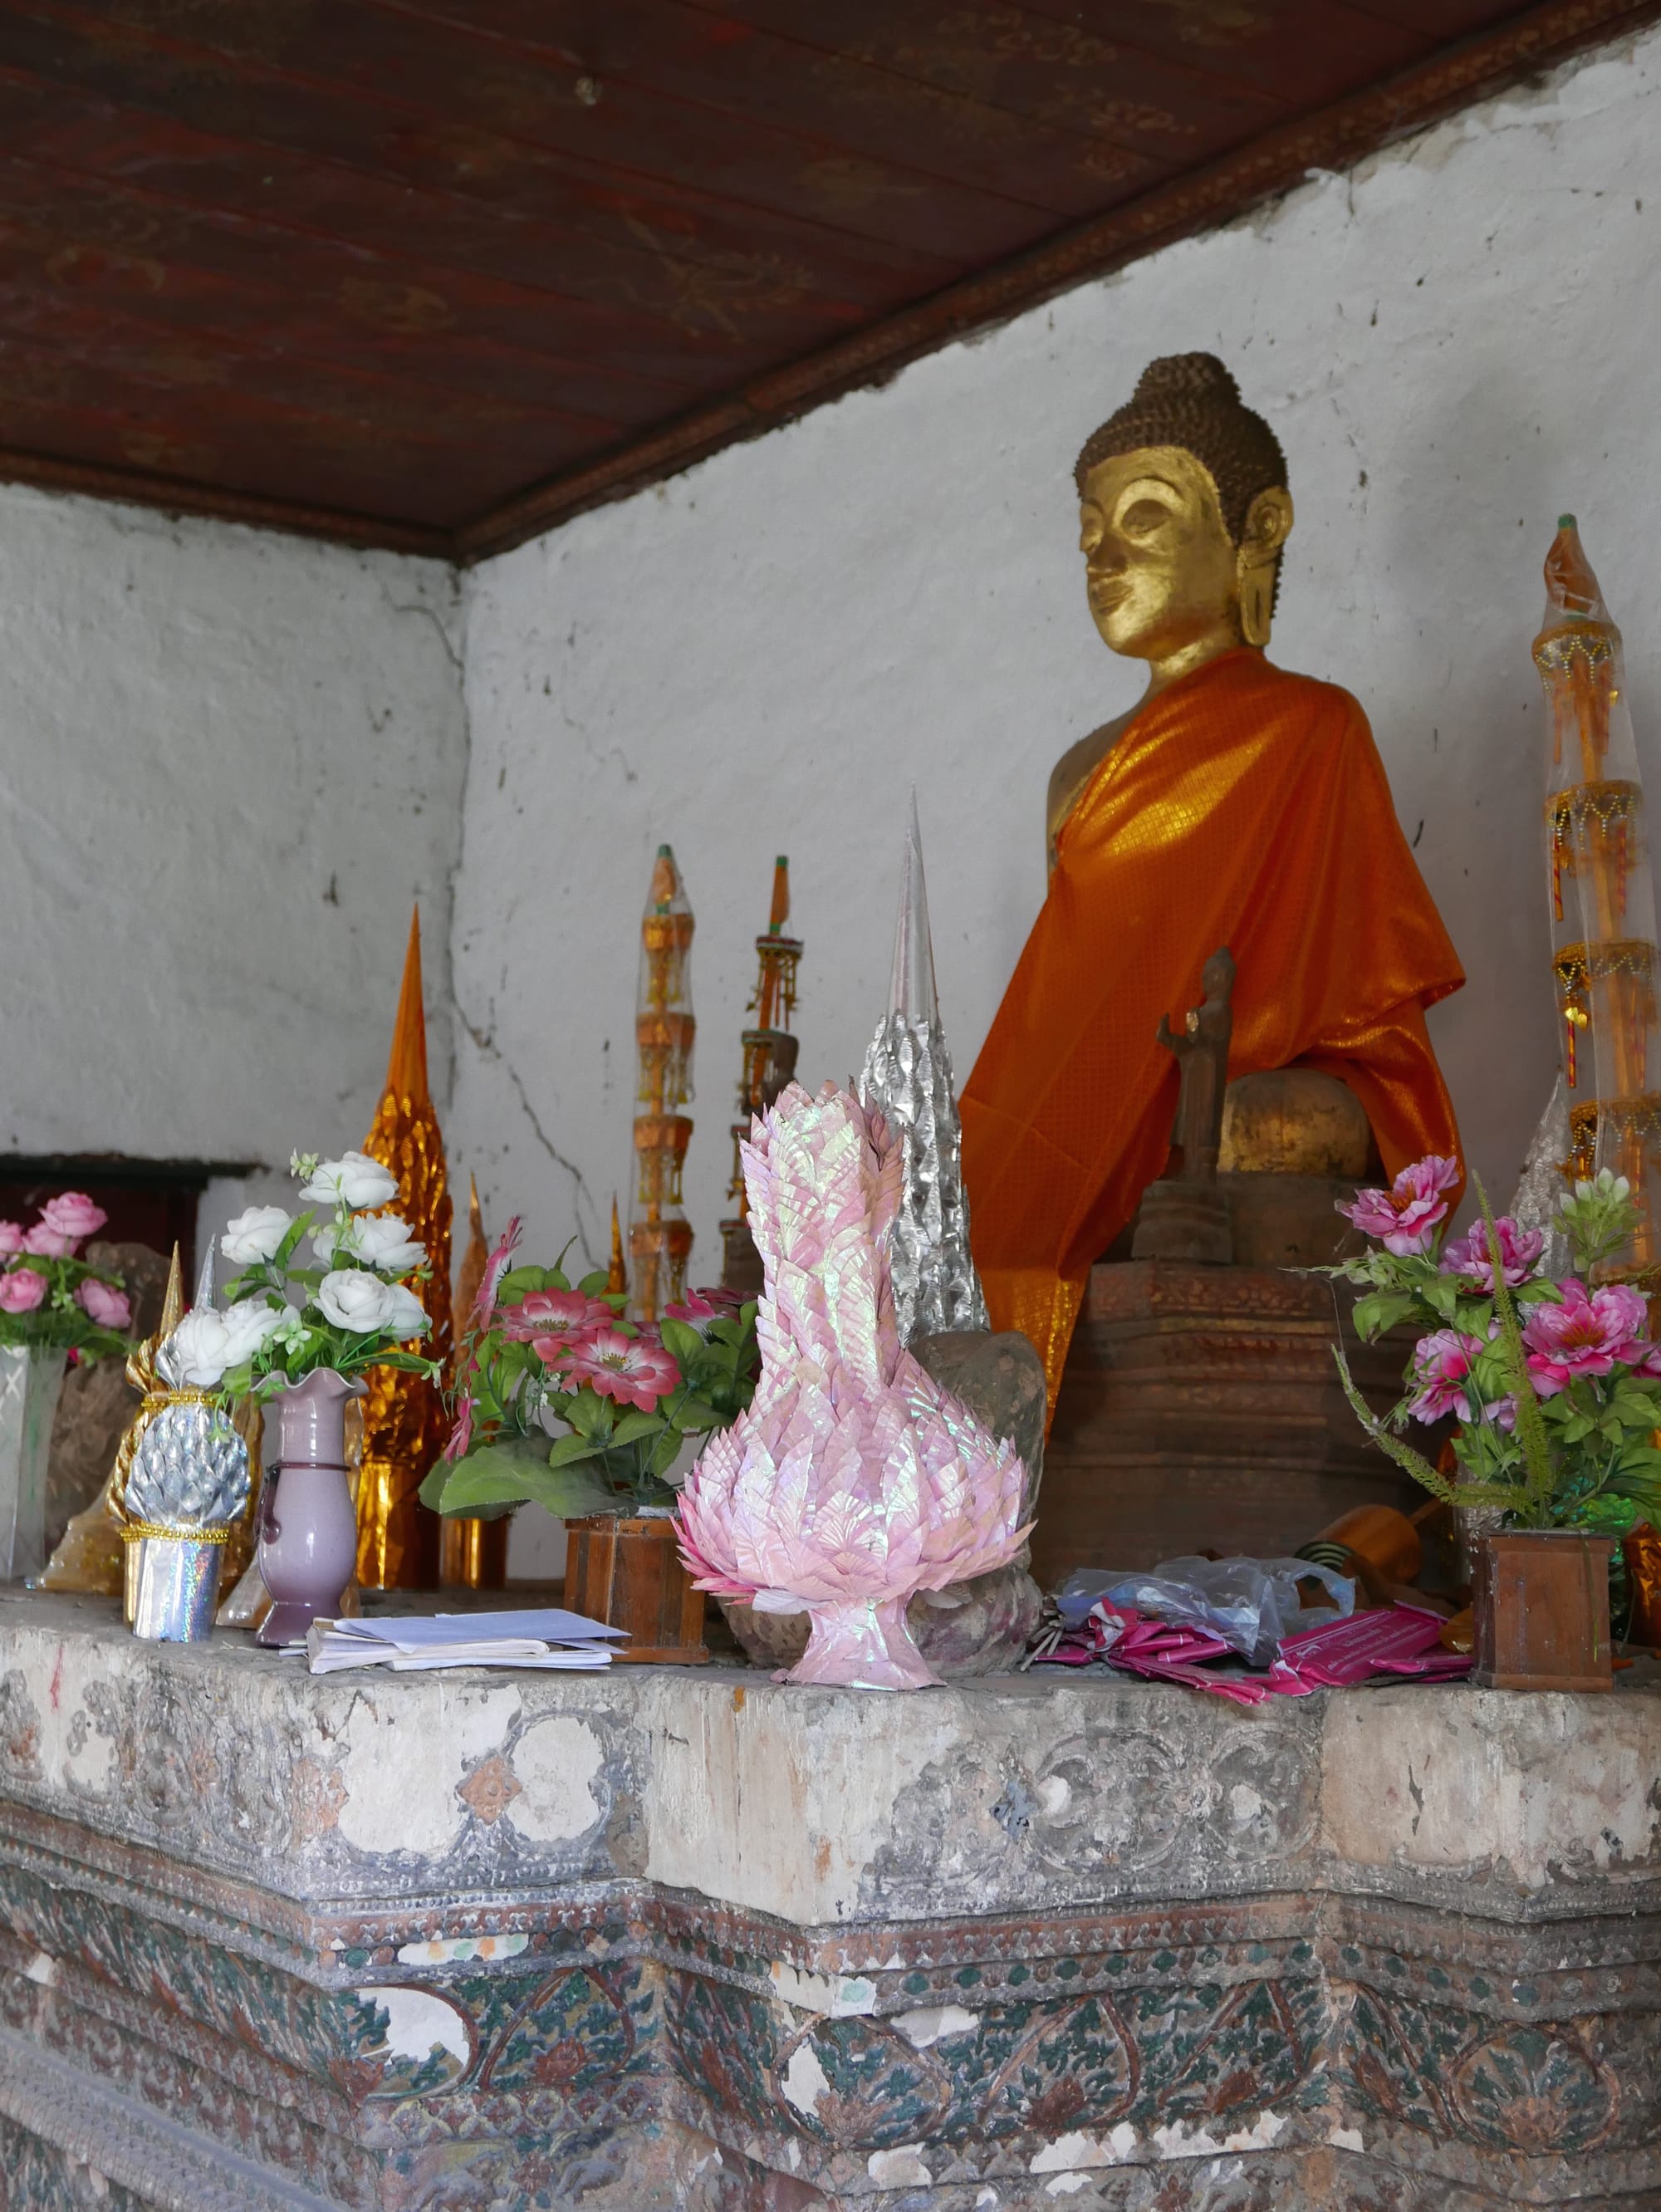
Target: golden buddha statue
[1236, 806]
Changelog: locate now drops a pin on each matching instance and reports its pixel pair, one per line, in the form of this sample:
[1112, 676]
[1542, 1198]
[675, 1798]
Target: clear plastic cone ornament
[853, 1480]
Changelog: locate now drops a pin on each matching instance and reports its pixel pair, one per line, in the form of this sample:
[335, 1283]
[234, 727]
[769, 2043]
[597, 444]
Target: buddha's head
[1184, 510]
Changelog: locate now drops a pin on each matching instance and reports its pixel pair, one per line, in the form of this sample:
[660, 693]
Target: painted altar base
[662, 1938]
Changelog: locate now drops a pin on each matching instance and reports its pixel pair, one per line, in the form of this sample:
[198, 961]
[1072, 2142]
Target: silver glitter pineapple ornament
[187, 1485]
[191, 1470]
[907, 1078]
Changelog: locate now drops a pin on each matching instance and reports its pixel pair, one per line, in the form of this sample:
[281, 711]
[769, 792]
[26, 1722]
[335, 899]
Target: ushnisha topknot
[1191, 400]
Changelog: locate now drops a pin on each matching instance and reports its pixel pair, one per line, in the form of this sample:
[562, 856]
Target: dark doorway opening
[150, 1202]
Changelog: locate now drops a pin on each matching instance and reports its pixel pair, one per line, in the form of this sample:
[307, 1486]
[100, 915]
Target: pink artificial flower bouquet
[51, 1298]
[1555, 1383]
[538, 1347]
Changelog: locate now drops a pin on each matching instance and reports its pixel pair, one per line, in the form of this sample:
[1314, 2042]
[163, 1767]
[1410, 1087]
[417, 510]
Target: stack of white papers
[550, 1637]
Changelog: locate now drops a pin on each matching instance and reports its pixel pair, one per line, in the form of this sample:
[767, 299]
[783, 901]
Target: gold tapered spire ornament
[476, 1258]
[770, 1053]
[403, 1420]
[472, 1553]
[90, 1554]
[617, 1279]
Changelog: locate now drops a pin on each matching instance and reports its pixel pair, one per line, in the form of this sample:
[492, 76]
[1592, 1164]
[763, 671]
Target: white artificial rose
[255, 1235]
[248, 1325]
[408, 1316]
[196, 1354]
[357, 1302]
[383, 1242]
[353, 1180]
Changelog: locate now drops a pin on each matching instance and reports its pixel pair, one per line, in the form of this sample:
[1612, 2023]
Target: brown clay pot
[627, 1573]
[1542, 1604]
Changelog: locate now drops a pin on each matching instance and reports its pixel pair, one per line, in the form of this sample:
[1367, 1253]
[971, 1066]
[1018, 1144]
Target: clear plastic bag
[1250, 1603]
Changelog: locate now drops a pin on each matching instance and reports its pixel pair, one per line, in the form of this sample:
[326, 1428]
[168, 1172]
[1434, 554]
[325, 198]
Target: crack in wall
[582, 1197]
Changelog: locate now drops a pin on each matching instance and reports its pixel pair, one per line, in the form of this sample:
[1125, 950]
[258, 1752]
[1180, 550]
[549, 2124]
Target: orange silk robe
[1246, 807]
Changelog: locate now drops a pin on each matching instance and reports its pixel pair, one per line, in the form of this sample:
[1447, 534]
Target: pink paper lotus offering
[853, 1480]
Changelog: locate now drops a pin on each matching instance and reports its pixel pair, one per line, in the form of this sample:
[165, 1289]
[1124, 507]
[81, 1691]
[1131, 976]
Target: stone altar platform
[660, 1938]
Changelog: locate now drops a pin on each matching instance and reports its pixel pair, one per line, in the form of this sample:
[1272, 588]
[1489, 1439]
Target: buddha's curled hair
[1191, 400]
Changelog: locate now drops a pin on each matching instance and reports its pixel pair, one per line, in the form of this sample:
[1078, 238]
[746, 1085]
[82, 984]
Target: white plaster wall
[229, 760]
[1453, 344]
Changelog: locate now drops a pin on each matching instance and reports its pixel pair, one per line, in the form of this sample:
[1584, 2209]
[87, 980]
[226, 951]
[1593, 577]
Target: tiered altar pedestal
[1201, 1407]
[656, 1938]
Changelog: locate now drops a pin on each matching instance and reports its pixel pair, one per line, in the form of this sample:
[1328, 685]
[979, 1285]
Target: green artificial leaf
[518, 1282]
[695, 1415]
[587, 1413]
[569, 1493]
[496, 1473]
[664, 1453]
[1383, 1310]
[292, 1234]
[566, 1451]
[683, 1341]
[593, 1284]
[1444, 1297]
[237, 1382]
[633, 1427]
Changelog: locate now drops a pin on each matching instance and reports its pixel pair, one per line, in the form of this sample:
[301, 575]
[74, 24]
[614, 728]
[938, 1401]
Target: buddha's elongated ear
[1268, 526]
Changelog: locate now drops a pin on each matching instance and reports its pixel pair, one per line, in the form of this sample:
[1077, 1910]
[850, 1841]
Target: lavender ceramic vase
[308, 1532]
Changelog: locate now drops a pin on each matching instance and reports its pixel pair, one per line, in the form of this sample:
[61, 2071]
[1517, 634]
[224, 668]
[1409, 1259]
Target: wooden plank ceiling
[437, 273]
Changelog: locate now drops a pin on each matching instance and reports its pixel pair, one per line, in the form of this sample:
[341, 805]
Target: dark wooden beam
[1332, 138]
[143, 489]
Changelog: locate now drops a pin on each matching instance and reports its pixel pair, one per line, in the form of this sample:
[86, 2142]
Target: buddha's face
[1162, 572]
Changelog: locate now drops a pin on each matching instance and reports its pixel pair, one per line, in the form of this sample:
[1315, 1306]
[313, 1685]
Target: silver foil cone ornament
[907, 1079]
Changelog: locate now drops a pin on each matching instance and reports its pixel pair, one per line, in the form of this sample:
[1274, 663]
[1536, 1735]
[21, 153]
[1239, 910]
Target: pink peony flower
[1469, 1255]
[633, 1371]
[11, 1238]
[21, 1290]
[1441, 1364]
[555, 1313]
[699, 1307]
[1405, 1216]
[47, 1243]
[73, 1214]
[104, 1303]
[1585, 1336]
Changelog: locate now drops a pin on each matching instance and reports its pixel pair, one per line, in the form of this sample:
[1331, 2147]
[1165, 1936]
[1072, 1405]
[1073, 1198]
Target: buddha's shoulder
[1314, 695]
[1074, 770]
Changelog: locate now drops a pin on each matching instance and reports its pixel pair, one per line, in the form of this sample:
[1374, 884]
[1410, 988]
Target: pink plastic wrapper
[1398, 1640]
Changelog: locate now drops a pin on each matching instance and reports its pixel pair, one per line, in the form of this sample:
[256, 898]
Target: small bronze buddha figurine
[1238, 806]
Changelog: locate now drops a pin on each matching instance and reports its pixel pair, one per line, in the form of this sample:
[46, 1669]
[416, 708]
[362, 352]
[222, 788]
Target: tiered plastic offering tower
[1603, 898]
[770, 1053]
[659, 1234]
